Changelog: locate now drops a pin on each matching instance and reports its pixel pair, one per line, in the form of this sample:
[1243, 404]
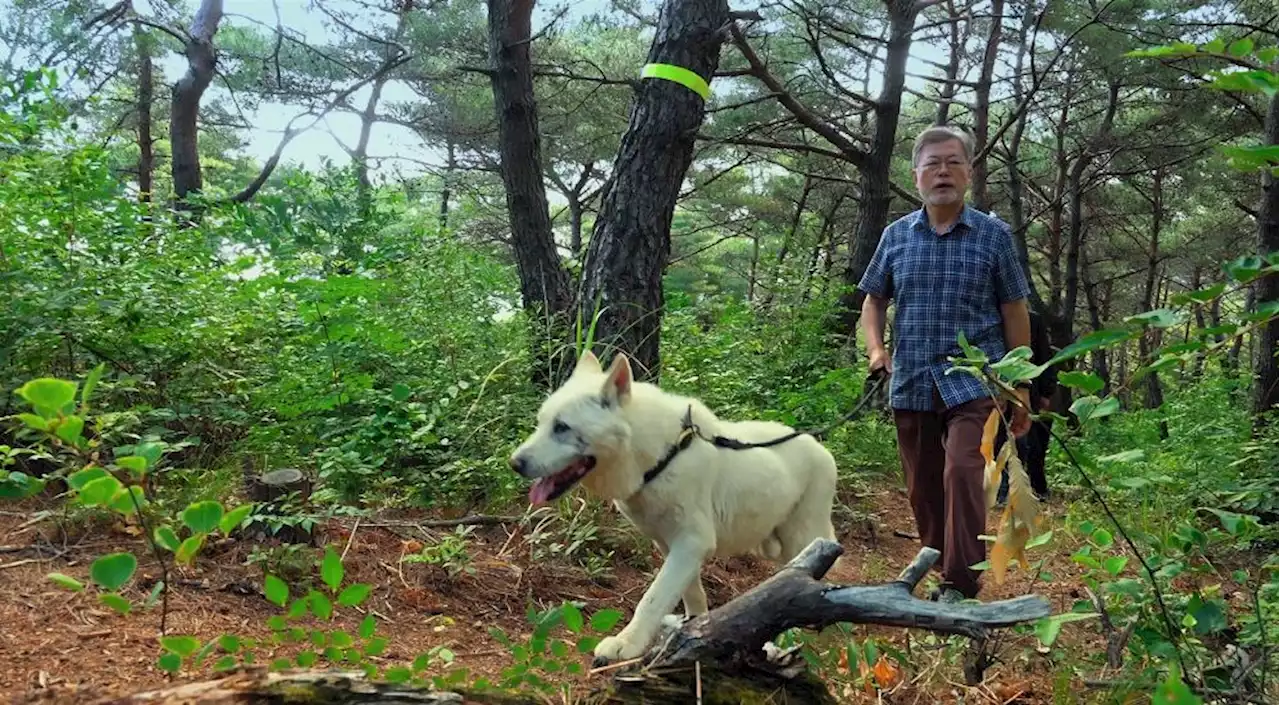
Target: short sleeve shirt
[942, 285]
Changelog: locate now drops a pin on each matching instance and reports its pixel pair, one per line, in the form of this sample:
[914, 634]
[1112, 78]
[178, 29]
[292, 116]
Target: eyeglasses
[933, 165]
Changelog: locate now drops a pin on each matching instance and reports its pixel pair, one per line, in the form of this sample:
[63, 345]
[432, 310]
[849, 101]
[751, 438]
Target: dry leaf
[886, 673]
[1020, 518]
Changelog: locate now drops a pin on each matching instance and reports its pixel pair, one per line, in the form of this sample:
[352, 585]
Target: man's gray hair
[942, 133]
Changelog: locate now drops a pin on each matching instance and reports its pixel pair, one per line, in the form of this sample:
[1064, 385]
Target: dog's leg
[695, 598]
[683, 564]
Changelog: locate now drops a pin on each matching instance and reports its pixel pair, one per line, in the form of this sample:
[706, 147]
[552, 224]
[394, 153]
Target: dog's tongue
[541, 490]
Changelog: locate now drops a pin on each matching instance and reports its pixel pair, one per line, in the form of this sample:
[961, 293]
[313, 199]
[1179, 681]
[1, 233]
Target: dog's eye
[560, 427]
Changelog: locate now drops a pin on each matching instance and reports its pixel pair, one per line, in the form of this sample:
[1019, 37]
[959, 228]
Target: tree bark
[982, 108]
[146, 145]
[631, 242]
[875, 195]
[1017, 212]
[948, 92]
[184, 134]
[1265, 369]
[1149, 339]
[545, 287]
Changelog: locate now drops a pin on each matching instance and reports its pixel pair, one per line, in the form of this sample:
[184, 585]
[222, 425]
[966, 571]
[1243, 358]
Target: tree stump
[276, 493]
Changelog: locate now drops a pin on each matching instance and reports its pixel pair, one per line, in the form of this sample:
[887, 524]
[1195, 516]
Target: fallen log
[723, 656]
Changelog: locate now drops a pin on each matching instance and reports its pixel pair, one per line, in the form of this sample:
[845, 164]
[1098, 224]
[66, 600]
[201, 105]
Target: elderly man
[948, 268]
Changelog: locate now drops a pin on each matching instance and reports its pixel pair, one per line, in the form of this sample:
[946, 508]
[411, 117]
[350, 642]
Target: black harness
[689, 431]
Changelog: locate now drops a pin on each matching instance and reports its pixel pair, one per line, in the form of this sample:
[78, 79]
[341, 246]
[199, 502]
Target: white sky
[387, 141]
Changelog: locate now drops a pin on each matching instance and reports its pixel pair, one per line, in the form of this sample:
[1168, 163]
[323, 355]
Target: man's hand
[880, 358]
[1020, 422]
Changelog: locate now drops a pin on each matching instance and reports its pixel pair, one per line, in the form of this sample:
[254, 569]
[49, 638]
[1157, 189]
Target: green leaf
[1210, 616]
[188, 549]
[229, 643]
[154, 597]
[166, 538]
[234, 518]
[376, 646]
[1115, 564]
[79, 479]
[572, 618]
[99, 491]
[397, 674]
[1040, 539]
[202, 517]
[1173, 691]
[1241, 47]
[1202, 296]
[183, 646]
[354, 594]
[368, 626]
[70, 430]
[90, 384]
[307, 659]
[1167, 51]
[1159, 318]
[1087, 382]
[226, 663]
[1102, 537]
[1231, 521]
[113, 570]
[169, 663]
[400, 391]
[66, 581]
[115, 602]
[135, 464]
[1264, 311]
[331, 569]
[48, 396]
[1244, 269]
[605, 620]
[150, 451]
[1047, 628]
[275, 590]
[1127, 456]
[321, 607]
[36, 422]
[1246, 81]
[1090, 407]
[1093, 341]
[124, 500]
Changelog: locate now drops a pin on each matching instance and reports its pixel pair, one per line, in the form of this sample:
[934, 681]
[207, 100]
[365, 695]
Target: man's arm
[874, 311]
[1017, 324]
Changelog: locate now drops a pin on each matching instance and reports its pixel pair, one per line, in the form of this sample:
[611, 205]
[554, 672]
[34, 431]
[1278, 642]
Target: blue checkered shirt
[941, 285]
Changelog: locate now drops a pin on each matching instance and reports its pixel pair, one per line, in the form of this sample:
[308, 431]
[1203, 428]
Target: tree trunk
[1150, 339]
[1065, 327]
[982, 108]
[450, 168]
[948, 92]
[631, 242]
[787, 242]
[146, 145]
[1017, 213]
[184, 135]
[1096, 321]
[545, 287]
[874, 195]
[1265, 365]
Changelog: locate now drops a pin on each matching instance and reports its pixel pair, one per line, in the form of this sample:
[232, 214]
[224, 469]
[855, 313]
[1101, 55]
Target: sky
[312, 148]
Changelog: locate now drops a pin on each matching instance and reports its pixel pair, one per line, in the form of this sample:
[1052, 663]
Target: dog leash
[734, 444]
[690, 430]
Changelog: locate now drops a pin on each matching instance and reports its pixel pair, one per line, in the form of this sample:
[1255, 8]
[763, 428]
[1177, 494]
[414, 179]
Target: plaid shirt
[943, 284]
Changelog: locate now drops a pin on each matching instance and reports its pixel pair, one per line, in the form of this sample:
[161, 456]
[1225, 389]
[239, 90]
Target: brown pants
[943, 465]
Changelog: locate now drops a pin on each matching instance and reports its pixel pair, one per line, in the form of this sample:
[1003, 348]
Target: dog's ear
[588, 363]
[617, 381]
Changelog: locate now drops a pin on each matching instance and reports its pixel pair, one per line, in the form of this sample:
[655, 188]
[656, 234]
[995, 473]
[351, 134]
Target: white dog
[611, 434]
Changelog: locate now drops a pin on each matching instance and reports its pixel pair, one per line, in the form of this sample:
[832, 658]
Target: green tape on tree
[683, 76]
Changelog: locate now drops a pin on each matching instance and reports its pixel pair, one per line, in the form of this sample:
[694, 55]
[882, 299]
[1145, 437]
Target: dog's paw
[612, 649]
[672, 622]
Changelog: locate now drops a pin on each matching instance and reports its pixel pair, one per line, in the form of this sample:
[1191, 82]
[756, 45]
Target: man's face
[942, 173]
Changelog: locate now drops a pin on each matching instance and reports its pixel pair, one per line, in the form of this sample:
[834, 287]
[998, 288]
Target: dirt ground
[59, 646]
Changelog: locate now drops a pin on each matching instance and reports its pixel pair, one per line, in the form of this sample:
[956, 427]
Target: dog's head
[580, 430]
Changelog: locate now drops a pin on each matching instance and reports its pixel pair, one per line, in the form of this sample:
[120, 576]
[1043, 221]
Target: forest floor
[59, 646]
